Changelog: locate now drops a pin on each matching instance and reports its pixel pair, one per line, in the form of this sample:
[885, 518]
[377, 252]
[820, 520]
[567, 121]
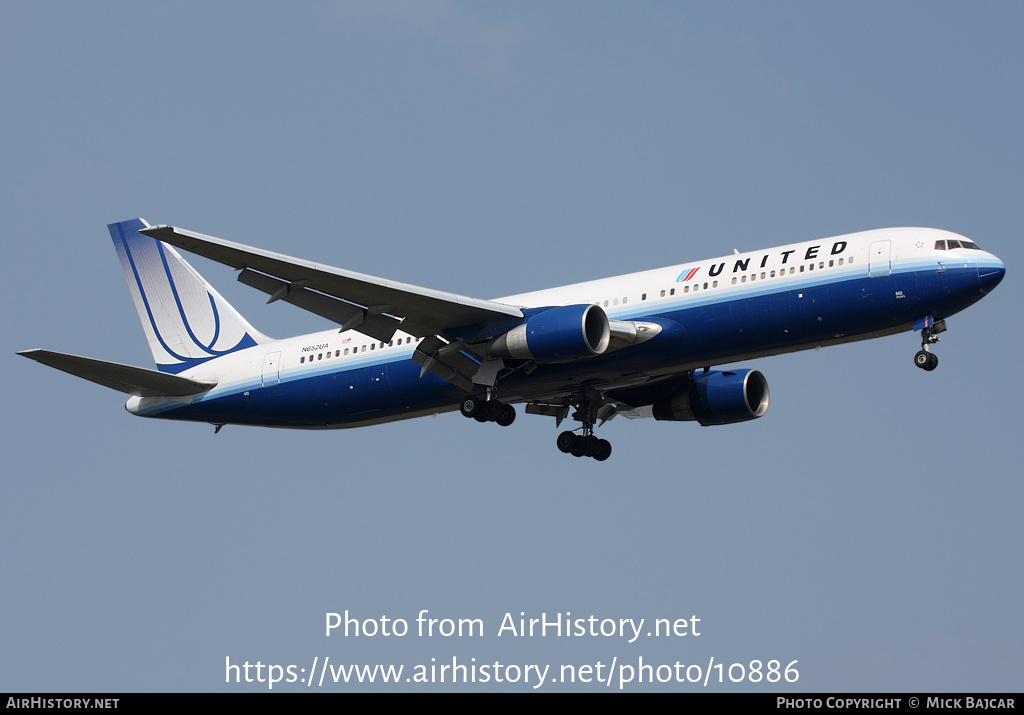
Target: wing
[373, 306]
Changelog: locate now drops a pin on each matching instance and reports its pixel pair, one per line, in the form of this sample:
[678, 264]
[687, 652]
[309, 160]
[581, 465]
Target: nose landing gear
[924, 358]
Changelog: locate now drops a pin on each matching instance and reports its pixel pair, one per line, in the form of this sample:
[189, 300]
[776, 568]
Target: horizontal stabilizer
[123, 378]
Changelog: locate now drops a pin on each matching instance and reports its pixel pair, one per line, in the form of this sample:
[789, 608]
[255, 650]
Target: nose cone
[990, 272]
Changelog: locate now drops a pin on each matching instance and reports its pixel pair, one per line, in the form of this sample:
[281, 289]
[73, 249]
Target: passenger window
[302, 359]
[662, 294]
[672, 292]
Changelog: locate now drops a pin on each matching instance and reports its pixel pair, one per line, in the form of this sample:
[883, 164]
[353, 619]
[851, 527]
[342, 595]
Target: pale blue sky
[868, 526]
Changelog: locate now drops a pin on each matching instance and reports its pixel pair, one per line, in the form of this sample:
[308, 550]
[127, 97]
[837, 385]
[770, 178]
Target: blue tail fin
[186, 321]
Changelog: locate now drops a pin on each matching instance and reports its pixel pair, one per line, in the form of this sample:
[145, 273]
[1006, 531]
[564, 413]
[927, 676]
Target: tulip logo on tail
[186, 321]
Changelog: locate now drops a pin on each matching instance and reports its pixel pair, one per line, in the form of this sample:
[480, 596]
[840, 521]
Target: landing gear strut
[925, 358]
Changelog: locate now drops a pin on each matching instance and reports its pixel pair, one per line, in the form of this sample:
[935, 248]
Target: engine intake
[718, 398]
[560, 334]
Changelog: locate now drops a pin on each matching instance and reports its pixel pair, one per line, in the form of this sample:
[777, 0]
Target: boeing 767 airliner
[640, 345]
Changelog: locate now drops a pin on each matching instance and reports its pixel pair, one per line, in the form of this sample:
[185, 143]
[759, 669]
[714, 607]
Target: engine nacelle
[560, 334]
[718, 398]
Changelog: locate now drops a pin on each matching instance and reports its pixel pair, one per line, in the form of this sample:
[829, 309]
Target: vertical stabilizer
[186, 321]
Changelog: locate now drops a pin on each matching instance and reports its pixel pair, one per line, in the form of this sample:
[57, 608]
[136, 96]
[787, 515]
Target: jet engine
[560, 334]
[717, 398]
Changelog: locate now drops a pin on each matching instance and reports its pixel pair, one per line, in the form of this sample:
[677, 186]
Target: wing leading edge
[371, 305]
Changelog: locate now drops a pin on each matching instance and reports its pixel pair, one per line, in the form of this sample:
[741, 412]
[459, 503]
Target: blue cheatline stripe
[716, 330]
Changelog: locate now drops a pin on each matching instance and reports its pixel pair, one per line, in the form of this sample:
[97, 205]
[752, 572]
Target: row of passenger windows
[354, 350]
[792, 269]
[763, 275]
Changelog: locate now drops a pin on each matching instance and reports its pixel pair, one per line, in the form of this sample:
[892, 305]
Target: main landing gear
[488, 410]
[586, 444]
[925, 358]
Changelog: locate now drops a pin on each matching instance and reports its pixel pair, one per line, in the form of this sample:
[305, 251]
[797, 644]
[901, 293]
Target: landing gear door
[272, 369]
[879, 260]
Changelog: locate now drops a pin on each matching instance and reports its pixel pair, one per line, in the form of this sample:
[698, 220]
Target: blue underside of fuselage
[713, 333]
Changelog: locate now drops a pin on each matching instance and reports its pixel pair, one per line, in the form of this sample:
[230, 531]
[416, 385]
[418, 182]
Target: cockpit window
[950, 244]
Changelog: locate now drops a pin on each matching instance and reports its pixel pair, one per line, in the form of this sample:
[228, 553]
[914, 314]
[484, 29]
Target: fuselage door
[879, 262]
[272, 369]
